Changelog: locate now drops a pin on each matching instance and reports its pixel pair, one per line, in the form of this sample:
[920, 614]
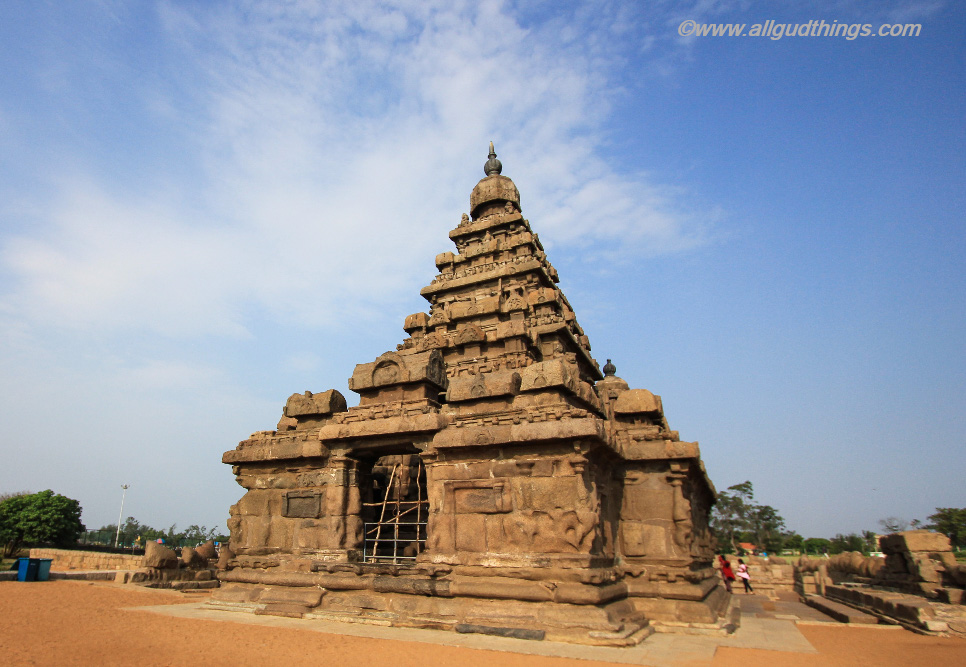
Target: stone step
[288, 610]
[194, 585]
[840, 612]
[516, 633]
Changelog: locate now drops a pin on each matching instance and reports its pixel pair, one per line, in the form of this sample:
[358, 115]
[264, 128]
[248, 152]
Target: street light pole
[120, 514]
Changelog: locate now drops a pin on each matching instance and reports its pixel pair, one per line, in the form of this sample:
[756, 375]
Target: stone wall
[65, 559]
[921, 562]
[768, 575]
[917, 562]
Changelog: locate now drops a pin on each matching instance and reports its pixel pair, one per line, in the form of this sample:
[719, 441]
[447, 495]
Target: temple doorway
[396, 510]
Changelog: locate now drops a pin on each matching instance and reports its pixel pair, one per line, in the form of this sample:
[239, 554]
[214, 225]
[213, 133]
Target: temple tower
[491, 478]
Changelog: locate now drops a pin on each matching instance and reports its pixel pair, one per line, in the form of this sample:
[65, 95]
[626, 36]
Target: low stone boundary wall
[771, 575]
[911, 611]
[66, 559]
[768, 575]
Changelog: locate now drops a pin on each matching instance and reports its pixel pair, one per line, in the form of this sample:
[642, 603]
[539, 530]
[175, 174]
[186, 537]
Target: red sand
[85, 623]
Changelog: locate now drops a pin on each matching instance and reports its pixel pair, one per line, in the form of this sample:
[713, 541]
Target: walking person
[744, 576]
[726, 573]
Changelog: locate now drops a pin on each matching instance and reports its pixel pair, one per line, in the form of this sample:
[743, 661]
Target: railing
[395, 542]
[400, 532]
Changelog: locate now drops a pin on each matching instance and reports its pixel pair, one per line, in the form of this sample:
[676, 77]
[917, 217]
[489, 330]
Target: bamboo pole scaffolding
[400, 510]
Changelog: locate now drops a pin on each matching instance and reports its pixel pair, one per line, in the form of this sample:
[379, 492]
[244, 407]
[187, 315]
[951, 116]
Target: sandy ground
[86, 623]
[840, 645]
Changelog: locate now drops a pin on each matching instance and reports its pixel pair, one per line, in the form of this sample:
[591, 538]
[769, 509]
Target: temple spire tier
[495, 303]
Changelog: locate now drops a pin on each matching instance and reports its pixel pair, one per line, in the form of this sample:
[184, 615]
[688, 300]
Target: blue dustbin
[43, 568]
[27, 569]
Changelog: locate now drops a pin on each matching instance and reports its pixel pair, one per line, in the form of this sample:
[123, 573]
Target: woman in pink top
[744, 576]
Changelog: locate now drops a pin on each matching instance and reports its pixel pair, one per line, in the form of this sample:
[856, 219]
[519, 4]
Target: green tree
[951, 522]
[737, 517]
[816, 545]
[793, 541]
[766, 527]
[893, 524]
[198, 534]
[871, 540]
[730, 514]
[851, 542]
[132, 529]
[39, 518]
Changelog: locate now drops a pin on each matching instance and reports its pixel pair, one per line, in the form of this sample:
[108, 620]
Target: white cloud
[108, 264]
[338, 144]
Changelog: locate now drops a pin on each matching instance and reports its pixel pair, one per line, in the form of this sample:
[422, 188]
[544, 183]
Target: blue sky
[205, 207]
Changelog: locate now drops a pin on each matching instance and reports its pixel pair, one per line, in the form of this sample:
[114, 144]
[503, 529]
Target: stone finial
[609, 369]
[492, 166]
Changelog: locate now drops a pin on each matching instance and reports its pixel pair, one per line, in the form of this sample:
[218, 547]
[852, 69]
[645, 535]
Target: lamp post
[120, 514]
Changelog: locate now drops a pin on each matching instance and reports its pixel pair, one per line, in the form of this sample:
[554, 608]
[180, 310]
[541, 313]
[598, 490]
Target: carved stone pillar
[680, 510]
[344, 502]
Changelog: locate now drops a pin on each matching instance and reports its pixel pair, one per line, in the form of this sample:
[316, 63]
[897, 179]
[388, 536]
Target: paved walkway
[785, 608]
[765, 624]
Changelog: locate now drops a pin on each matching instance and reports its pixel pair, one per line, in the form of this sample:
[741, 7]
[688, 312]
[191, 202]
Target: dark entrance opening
[396, 511]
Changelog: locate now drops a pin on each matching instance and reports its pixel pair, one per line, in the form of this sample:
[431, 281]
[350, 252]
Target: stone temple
[491, 479]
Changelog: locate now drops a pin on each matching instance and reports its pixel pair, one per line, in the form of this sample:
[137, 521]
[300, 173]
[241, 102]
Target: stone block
[914, 541]
[257, 502]
[309, 597]
[493, 188]
[952, 595]
[638, 401]
[641, 502]
[304, 504]
[207, 550]
[392, 369]
[225, 555]
[192, 559]
[309, 404]
[481, 498]
[418, 321]
[473, 308]
[929, 570]
[956, 573]
[463, 471]
[510, 329]
[495, 533]
[488, 385]
[364, 601]
[546, 374]
[159, 556]
[644, 539]
[471, 533]
[542, 468]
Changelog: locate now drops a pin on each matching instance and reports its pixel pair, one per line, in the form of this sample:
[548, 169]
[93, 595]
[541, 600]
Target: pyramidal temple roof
[495, 304]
